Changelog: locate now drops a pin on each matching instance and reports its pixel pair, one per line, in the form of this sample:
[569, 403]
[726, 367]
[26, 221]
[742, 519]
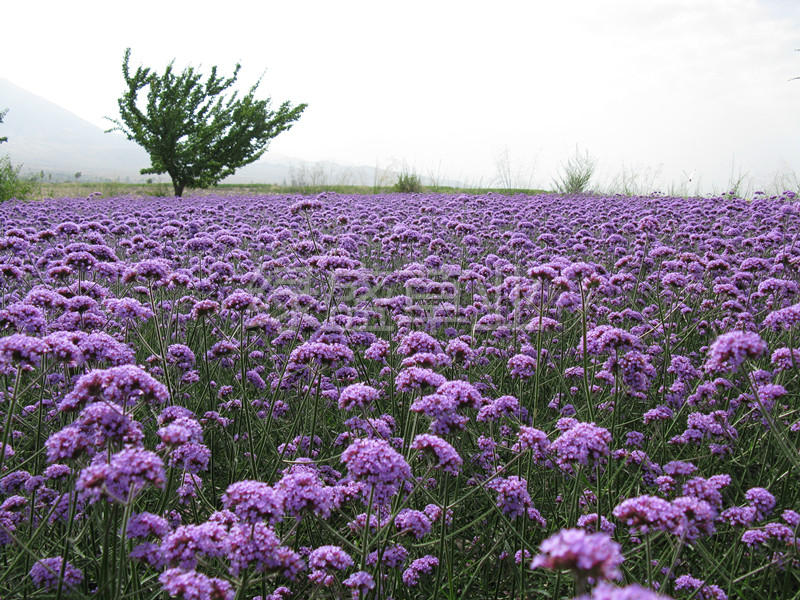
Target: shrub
[576, 173]
[11, 184]
[408, 183]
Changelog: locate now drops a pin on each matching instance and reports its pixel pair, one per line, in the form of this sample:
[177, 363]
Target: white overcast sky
[678, 88]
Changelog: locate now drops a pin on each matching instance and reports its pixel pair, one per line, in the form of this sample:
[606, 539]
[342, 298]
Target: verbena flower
[181, 356]
[204, 308]
[448, 459]
[705, 591]
[521, 366]
[357, 395]
[679, 467]
[149, 553]
[190, 486]
[426, 564]
[785, 358]
[417, 378]
[304, 492]
[192, 585]
[124, 385]
[318, 354]
[435, 405]
[376, 463]
[587, 554]
[20, 350]
[63, 347]
[594, 523]
[181, 430]
[707, 489]
[184, 546]
[46, 573]
[784, 318]
[634, 591]
[128, 309]
[530, 438]
[462, 392]
[584, 444]
[143, 525]
[412, 521]
[191, 457]
[418, 341]
[729, 351]
[239, 301]
[392, 556]
[324, 559]
[258, 545]
[361, 583]
[124, 476]
[514, 500]
[698, 517]
[14, 481]
[504, 405]
[644, 514]
[761, 500]
[101, 423]
[607, 338]
[99, 347]
[738, 516]
[254, 501]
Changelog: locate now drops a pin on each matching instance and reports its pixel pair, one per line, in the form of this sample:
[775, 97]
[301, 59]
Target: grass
[115, 189]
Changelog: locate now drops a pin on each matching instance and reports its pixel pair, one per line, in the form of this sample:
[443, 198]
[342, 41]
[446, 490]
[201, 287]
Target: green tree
[191, 130]
[3, 116]
[11, 184]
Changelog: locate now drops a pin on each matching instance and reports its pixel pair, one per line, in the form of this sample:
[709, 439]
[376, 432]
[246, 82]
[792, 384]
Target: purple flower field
[400, 396]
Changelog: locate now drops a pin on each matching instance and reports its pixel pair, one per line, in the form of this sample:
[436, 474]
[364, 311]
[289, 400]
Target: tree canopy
[192, 131]
[3, 116]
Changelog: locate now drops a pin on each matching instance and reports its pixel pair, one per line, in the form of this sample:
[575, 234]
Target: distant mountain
[43, 136]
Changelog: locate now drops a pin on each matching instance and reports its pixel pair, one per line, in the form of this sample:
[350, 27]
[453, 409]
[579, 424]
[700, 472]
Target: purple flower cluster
[254, 501]
[123, 477]
[146, 341]
[357, 395]
[447, 458]
[125, 385]
[46, 573]
[584, 444]
[643, 514]
[426, 564]
[99, 425]
[730, 350]
[587, 554]
[606, 591]
[319, 354]
[377, 464]
[302, 491]
[192, 585]
[324, 559]
[514, 500]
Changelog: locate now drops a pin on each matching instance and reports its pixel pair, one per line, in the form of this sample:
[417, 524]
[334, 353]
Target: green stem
[65, 552]
[7, 428]
[364, 542]
[246, 405]
[585, 342]
[443, 537]
[123, 555]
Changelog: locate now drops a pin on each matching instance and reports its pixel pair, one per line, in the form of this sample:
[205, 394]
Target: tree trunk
[178, 187]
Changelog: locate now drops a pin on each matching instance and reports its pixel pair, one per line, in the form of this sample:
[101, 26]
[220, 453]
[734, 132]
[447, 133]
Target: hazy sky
[676, 89]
